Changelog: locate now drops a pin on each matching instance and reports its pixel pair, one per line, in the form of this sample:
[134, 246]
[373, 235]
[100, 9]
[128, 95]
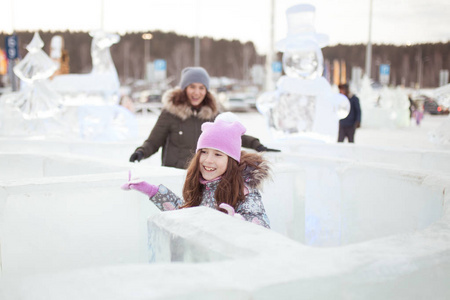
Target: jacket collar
[185, 111]
[205, 182]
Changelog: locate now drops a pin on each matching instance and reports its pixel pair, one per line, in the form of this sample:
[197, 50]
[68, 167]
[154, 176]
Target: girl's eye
[218, 154]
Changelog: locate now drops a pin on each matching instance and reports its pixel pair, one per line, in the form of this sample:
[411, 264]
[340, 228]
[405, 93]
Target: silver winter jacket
[252, 208]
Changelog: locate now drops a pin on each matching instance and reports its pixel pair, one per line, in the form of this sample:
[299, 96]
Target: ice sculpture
[35, 99]
[101, 82]
[70, 107]
[303, 104]
[383, 108]
[59, 55]
[56, 46]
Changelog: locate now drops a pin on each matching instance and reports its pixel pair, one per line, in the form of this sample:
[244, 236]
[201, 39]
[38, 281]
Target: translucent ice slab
[349, 229]
[261, 264]
[60, 212]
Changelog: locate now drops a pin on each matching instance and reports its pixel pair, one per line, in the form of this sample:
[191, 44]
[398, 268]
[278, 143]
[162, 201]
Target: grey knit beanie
[194, 74]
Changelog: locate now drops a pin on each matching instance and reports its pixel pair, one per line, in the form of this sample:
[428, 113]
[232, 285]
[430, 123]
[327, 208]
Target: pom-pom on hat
[223, 136]
[227, 116]
[194, 74]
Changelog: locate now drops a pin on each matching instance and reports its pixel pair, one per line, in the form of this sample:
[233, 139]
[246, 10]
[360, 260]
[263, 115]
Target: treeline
[409, 65]
[220, 57]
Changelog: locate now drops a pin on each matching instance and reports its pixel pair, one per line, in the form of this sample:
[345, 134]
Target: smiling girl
[220, 175]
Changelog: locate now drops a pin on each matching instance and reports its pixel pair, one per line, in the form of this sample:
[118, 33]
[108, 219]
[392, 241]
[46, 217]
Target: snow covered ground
[416, 137]
[411, 137]
[363, 221]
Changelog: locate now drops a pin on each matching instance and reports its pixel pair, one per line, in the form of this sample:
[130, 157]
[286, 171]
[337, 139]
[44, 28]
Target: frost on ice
[303, 104]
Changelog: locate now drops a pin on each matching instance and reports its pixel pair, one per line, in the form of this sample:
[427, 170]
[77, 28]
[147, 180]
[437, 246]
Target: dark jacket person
[349, 124]
[178, 127]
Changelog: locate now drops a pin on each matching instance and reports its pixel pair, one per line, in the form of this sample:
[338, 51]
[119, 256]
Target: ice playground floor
[363, 221]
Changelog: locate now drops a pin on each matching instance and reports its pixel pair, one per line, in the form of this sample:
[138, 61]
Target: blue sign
[160, 65]
[12, 47]
[276, 67]
[385, 69]
[384, 74]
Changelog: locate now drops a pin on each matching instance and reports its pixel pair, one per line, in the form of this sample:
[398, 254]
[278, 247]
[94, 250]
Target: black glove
[138, 155]
[262, 148]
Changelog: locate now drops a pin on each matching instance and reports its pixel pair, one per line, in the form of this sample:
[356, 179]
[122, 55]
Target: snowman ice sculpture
[303, 104]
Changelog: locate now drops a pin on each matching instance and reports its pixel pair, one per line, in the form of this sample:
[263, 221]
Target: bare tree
[180, 58]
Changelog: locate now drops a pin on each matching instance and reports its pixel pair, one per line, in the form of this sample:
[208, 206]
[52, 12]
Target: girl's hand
[139, 185]
[230, 211]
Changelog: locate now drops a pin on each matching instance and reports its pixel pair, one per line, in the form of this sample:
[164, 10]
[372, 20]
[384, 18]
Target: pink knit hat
[223, 136]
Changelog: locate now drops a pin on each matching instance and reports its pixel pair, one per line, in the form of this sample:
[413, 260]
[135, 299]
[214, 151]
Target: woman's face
[213, 163]
[196, 93]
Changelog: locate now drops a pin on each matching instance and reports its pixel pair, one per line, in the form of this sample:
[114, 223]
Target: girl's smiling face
[213, 163]
[196, 93]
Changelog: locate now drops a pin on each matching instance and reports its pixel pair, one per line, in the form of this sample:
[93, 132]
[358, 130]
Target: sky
[399, 22]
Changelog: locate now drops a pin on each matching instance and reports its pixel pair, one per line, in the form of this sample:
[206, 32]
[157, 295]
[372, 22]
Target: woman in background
[178, 127]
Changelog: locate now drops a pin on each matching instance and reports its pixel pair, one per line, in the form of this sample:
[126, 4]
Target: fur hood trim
[256, 169]
[185, 110]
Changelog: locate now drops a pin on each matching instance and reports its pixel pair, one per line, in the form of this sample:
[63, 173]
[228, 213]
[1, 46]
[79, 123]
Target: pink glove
[140, 185]
[230, 211]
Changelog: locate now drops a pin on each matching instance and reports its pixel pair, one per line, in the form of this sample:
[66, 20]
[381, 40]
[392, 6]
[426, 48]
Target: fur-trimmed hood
[184, 111]
[256, 169]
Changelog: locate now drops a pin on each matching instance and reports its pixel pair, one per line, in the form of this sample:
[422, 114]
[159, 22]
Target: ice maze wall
[61, 212]
[347, 222]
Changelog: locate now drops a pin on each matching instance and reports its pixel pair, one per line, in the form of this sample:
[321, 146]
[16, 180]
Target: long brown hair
[230, 189]
[182, 98]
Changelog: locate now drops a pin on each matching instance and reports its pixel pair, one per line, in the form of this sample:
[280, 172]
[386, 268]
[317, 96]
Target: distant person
[178, 127]
[220, 176]
[126, 102]
[348, 125]
[418, 114]
[412, 107]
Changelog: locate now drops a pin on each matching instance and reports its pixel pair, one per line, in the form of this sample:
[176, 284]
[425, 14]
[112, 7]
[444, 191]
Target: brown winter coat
[177, 131]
